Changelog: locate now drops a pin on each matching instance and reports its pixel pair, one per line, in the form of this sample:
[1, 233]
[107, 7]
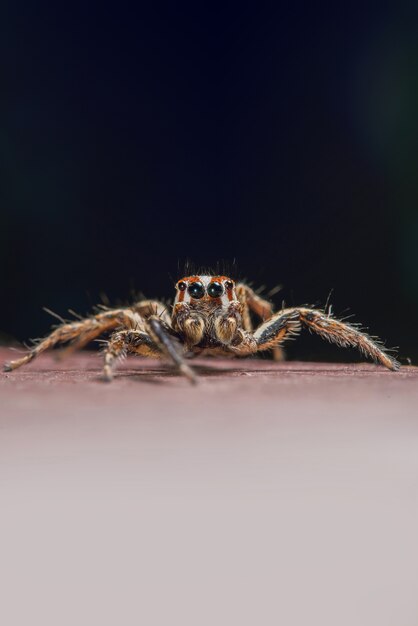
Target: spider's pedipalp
[211, 314]
[289, 321]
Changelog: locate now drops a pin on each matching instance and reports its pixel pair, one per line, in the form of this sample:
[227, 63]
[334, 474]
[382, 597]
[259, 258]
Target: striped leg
[80, 332]
[252, 302]
[143, 308]
[162, 336]
[288, 322]
[127, 342]
[146, 308]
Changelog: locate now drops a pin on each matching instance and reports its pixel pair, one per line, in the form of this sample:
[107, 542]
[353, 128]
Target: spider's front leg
[126, 342]
[162, 335]
[288, 322]
[155, 343]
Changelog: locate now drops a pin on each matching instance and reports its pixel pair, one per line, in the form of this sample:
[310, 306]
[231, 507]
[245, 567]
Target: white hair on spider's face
[211, 290]
[210, 316]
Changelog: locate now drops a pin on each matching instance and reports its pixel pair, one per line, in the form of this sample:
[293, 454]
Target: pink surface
[269, 493]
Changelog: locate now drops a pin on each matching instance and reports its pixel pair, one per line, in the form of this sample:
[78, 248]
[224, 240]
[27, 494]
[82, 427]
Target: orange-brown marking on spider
[146, 328]
[229, 287]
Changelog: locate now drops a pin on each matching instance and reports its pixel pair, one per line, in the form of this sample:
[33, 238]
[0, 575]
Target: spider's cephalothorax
[210, 315]
[207, 312]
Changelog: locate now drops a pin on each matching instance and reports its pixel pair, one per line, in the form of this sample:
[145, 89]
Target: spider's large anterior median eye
[196, 290]
[215, 290]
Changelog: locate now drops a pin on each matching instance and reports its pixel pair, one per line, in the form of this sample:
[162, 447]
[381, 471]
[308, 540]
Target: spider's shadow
[160, 376]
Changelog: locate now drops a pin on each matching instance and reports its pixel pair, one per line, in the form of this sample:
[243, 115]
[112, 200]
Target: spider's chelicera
[210, 315]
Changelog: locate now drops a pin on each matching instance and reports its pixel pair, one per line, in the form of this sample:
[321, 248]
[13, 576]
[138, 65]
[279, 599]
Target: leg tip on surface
[189, 373]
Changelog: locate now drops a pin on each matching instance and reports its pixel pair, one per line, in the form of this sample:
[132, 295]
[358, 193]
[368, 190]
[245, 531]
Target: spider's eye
[196, 290]
[215, 290]
[229, 284]
[181, 285]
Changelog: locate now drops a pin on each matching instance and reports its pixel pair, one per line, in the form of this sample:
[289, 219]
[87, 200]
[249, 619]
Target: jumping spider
[210, 315]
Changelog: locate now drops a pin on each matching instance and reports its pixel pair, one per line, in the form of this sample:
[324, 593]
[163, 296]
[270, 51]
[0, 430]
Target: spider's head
[206, 310]
[206, 291]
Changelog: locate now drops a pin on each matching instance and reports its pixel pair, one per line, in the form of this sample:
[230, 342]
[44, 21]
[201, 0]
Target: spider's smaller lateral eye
[229, 284]
[196, 290]
[215, 290]
[181, 285]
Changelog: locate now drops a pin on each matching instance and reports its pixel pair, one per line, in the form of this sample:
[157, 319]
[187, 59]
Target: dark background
[135, 137]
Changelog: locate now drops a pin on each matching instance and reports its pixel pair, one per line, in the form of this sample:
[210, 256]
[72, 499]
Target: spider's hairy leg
[146, 308]
[251, 301]
[143, 308]
[288, 322]
[160, 334]
[127, 342]
[115, 349]
[81, 332]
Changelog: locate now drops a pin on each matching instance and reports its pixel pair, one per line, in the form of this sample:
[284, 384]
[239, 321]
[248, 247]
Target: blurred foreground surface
[270, 493]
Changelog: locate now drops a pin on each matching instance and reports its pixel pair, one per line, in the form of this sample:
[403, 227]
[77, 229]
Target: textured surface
[270, 493]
